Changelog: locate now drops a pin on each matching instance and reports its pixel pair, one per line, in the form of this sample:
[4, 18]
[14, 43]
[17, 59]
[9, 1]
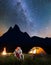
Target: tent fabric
[37, 50]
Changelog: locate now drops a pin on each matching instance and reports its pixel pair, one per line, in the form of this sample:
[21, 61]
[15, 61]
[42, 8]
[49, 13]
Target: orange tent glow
[37, 50]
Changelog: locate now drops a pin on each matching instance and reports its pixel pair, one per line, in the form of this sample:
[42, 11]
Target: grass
[29, 60]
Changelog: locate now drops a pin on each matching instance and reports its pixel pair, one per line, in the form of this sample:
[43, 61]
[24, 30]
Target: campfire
[4, 52]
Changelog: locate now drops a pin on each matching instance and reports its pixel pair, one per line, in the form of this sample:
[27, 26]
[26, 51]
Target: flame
[4, 52]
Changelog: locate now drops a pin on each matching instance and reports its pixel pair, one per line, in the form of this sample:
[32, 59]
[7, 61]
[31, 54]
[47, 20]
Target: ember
[4, 52]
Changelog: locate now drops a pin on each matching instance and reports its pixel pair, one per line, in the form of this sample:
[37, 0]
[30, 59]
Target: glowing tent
[37, 50]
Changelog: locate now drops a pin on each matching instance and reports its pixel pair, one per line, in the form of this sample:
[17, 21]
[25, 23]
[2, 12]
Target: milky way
[32, 16]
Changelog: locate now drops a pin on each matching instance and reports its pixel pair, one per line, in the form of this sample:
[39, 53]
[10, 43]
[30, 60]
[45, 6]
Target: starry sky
[32, 16]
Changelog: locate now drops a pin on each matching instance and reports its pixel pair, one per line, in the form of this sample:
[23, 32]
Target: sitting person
[18, 53]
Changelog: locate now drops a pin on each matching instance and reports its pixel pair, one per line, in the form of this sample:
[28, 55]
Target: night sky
[32, 16]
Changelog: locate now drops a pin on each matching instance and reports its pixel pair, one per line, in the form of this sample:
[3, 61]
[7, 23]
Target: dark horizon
[23, 32]
[15, 37]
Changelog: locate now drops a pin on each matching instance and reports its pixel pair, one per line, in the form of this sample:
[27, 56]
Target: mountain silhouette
[15, 37]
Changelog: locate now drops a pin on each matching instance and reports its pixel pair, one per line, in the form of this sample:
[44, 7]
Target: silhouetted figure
[18, 53]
